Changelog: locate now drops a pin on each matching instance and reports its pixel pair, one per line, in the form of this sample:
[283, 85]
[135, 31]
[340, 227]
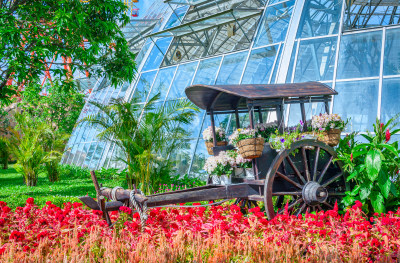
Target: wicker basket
[251, 148]
[210, 146]
[331, 137]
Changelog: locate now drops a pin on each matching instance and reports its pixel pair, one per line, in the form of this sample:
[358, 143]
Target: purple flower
[301, 123]
[282, 140]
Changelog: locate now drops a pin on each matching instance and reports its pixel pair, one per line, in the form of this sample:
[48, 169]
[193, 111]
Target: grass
[68, 189]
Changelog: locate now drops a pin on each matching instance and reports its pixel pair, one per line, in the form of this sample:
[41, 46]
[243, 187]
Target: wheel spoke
[316, 163]
[320, 208]
[281, 175]
[298, 212]
[305, 163]
[325, 169]
[295, 169]
[290, 206]
[328, 205]
[332, 180]
[336, 194]
[286, 193]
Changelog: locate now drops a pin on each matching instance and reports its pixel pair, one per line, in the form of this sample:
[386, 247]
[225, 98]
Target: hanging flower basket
[331, 137]
[251, 148]
[210, 146]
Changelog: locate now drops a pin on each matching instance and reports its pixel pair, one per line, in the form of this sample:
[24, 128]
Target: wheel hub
[313, 193]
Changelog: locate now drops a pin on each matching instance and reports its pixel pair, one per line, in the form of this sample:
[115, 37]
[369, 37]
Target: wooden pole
[303, 116]
[237, 118]
[213, 128]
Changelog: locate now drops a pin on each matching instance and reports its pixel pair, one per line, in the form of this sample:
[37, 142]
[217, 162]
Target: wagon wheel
[305, 178]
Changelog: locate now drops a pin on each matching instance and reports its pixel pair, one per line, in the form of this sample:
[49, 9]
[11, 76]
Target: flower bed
[216, 234]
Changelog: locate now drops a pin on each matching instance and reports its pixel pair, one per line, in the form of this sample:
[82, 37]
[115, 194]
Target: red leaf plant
[215, 234]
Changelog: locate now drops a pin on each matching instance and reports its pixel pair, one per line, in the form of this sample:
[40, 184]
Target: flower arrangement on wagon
[249, 143]
[330, 125]
[221, 166]
[208, 138]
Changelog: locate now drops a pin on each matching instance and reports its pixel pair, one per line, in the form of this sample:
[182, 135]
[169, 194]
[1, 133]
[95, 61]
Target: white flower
[208, 135]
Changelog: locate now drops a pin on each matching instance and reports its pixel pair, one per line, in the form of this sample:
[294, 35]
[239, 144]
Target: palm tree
[26, 146]
[146, 134]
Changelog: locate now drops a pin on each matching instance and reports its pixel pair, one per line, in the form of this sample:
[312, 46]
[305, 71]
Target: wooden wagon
[304, 177]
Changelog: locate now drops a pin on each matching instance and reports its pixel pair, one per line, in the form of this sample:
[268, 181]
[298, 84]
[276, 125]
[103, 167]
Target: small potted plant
[249, 144]
[220, 167]
[208, 138]
[242, 165]
[330, 125]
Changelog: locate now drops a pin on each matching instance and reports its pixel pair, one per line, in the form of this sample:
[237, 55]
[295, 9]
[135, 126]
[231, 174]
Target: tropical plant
[146, 134]
[27, 146]
[71, 35]
[54, 142]
[4, 152]
[373, 168]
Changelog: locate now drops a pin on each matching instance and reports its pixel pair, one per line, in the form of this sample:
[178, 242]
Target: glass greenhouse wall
[352, 46]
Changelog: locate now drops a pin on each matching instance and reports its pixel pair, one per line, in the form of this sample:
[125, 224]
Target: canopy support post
[260, 118]
[237, 118]
[303, 116]
[213, 128]
[326, 102]
[251, 117]
[279, 116]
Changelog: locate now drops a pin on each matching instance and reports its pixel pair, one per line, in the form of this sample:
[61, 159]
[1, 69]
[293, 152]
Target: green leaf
[393, 190]
[352, 175]
[390, 148]
[355, 190]
[369, 138]
[373, 163]
[348, 200]
[378, 202]
[384, 183]
[365, 190]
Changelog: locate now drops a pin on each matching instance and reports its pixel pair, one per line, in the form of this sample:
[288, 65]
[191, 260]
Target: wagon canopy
[232, 97]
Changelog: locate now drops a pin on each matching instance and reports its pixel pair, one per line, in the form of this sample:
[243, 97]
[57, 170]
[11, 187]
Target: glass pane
[89, 154]
[82, 156]
[390, 99]
[274, 24]
[360, 55]
[183, 78]
[311, 109]
[199, 159]
[259, 66]
[289, 75]
[276, 67]
[157, 53]
[181, 157]
[391, 64]
[357, 100]
[97, 155]
[162, 82]
[232, 68]
[144, 85]
[194, 127]
[72, 154]
[316, 60]
[176, 17]
[319, 18]
[366, 14]
[207, 71]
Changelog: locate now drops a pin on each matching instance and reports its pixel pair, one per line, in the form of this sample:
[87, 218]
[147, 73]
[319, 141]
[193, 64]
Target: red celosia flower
[6, 209]
[30, 200]
[357, 205]
[351, 157]
[382, 125]
[17, 236]
[387, 135]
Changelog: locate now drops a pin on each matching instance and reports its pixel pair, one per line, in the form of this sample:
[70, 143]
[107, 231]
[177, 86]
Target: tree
[146, 134]
[57, 106]
[69, 34]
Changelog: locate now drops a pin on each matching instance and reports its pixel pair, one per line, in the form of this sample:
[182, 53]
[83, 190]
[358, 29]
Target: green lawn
[15, 192]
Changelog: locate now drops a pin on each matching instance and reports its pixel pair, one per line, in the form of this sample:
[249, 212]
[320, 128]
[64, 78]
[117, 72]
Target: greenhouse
[351, 46]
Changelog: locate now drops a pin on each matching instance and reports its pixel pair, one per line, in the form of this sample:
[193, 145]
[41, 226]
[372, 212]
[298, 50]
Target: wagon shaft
[204, 193]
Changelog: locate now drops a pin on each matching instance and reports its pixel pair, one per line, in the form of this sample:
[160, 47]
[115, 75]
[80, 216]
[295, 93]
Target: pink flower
[387, 135]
